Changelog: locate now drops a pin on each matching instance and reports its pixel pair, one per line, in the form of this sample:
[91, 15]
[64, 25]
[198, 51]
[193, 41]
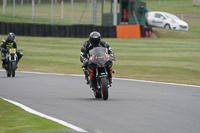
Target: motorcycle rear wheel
[104, 88]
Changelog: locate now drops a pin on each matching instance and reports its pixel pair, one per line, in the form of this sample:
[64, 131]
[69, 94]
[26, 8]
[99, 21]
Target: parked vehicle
[165, 20]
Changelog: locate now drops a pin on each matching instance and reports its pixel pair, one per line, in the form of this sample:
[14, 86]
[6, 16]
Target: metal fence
[57, 11]
[69, 12]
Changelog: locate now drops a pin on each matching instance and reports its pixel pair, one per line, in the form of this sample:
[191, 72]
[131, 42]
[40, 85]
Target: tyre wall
[46, 30]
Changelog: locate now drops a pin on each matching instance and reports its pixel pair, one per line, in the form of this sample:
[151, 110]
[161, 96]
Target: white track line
[155, 82]
[135, 80]
[47, 117]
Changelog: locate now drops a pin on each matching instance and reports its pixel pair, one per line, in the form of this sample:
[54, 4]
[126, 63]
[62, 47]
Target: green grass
[174, 6]
[13, 119]
[167, 60]
[174, 34]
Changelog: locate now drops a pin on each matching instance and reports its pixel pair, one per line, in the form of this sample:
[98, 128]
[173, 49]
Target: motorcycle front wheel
[13, 68]
[104, 88]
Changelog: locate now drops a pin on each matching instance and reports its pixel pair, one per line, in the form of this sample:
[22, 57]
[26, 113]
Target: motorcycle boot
[110, 76]
[16, 64]
[3, 63]
[86, 78]
[86, 75]
[3, 58]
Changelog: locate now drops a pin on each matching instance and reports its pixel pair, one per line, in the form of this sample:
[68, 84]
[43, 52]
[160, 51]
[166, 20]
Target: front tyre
[13, 68]
[104, 88]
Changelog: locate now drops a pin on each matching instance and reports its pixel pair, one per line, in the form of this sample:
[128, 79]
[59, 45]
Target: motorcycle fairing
[99, 56]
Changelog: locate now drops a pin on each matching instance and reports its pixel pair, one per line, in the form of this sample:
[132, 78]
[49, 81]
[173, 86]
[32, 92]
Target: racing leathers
[6, 44]
[85, 57]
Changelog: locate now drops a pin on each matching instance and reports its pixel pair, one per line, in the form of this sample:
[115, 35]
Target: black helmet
[95, 38]
[11, 36]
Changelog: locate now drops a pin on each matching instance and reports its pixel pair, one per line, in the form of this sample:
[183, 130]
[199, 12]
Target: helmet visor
[95, 41]
[11, 39]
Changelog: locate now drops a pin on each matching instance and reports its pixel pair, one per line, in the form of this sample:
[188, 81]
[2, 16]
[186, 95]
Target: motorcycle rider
[8, 43]
[94, 41]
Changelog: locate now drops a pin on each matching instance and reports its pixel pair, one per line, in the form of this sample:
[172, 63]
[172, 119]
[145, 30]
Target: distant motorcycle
[99, 60]
[11, 62]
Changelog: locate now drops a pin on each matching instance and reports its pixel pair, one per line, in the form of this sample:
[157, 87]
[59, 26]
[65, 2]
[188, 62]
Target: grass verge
[167, 60]
[13, 119]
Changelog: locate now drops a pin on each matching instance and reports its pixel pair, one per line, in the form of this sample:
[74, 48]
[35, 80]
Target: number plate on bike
[12, 51]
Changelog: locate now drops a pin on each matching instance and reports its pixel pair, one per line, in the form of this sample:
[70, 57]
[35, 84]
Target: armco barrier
[68, 31]
[3, 28]
[27, 29]
[46, 30]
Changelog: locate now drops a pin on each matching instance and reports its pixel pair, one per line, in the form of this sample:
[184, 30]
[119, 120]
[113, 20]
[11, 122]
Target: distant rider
[8, 43]
[94, 41]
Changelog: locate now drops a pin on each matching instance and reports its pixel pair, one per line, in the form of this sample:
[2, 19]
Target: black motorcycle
[99, 61]
[11, 62]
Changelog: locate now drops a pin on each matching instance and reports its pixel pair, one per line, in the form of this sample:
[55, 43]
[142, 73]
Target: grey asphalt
[132, 107]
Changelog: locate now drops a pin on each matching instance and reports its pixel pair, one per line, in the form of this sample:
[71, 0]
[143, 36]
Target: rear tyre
[104, 88]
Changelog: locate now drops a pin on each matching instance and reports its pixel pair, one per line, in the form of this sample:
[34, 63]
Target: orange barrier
[128, 31]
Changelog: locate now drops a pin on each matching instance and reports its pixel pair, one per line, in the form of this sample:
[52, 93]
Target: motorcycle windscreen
[99, 56]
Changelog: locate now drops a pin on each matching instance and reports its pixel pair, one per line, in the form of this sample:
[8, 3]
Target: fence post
[13, 8]
[182, 16]
[62, 3]
[72, 17]
[32, 10]
[115, 12]
[22, 2]
[4, 5]
[51, 10]
[164, 2]
[93, 11]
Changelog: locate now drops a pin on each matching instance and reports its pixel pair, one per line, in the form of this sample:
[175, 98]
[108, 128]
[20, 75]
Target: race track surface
[132, 107]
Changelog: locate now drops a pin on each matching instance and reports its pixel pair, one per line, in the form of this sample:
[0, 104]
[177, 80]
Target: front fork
[12, 58]
[99, 76]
